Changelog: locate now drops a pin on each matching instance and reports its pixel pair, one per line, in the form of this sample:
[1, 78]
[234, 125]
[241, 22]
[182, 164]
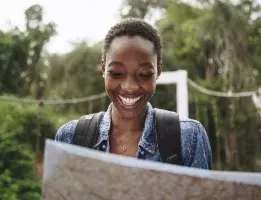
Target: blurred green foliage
[19, 130]
[17, 180]
[20, 52]
[23, 130]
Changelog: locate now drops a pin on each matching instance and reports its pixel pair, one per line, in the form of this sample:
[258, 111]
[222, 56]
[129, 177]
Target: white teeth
[129, 101]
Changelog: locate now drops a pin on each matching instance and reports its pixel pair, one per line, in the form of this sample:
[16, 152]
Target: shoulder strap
[86, 131]
[168, 136]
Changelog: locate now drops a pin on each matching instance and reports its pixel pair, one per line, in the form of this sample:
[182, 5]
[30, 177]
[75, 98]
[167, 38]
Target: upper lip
[129, 96]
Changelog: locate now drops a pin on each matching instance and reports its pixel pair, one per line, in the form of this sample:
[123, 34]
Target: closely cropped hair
[134, 27]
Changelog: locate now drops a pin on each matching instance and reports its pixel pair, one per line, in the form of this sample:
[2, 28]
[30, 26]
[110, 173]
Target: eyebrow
[115, 63]
[147, 64]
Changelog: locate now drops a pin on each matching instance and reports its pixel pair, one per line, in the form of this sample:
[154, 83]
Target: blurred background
[50, 55]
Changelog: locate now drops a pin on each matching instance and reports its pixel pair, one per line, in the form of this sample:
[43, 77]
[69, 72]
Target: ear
[103, 66]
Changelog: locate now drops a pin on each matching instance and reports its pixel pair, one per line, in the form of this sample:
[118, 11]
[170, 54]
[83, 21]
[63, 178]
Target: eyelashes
[146, 76]
[115, 74]
[121, 74]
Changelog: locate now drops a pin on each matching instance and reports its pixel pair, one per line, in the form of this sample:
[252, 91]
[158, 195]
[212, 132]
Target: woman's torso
[195, 147]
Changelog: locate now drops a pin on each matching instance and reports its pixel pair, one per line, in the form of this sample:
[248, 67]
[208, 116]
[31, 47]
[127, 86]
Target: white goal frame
[180, 79]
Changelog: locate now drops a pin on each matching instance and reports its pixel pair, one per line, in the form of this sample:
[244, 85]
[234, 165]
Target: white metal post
[180, 78]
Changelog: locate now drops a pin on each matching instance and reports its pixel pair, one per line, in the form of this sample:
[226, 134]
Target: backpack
[167, 128]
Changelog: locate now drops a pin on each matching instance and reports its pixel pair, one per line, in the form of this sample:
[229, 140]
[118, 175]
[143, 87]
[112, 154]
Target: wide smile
[127, 101]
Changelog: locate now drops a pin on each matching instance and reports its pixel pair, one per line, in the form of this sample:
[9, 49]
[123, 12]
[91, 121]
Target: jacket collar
[148, 140]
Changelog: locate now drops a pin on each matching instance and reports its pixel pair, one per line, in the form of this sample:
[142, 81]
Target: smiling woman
[131, 63]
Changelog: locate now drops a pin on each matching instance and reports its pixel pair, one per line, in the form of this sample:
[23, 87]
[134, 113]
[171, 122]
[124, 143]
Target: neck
[123, 124]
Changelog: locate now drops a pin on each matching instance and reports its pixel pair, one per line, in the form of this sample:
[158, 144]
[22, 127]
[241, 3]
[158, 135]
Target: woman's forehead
[126, 45]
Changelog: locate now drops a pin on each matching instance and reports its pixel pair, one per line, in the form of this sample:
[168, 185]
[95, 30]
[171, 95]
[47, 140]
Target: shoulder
[191, 131]
[191, 128]
[187, 124]
[195, 144]
[66, 132]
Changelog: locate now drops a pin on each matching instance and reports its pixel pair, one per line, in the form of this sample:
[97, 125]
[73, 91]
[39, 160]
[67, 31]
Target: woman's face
[130, 73]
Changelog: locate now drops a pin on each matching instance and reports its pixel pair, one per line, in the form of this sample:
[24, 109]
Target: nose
[130, 85]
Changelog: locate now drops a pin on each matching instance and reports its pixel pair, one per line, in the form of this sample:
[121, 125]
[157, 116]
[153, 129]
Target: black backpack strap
[168, 136]
[86, 131]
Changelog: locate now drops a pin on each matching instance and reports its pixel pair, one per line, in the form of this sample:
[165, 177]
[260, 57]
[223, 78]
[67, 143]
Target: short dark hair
[134, 27]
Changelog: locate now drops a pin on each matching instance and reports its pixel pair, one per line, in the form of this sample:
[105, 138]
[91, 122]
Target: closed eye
[115, 74]
[146, 76]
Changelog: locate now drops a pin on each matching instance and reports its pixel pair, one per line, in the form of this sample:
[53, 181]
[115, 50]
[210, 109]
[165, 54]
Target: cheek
[110, 85]
[145, 86]
[150, 86]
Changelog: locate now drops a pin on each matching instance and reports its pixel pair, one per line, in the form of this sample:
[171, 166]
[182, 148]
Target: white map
[76, 173]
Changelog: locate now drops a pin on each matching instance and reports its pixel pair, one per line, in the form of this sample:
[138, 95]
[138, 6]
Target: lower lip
[128, 106]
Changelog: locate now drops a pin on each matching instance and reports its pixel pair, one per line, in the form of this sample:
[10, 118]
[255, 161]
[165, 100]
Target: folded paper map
[75, 173]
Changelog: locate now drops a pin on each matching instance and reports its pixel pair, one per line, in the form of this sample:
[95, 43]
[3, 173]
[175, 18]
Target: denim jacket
[195, 146]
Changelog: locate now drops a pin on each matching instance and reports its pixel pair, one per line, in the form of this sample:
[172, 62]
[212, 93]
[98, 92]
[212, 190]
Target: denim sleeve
[66, 132]
[196, 150]
[203, 154]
